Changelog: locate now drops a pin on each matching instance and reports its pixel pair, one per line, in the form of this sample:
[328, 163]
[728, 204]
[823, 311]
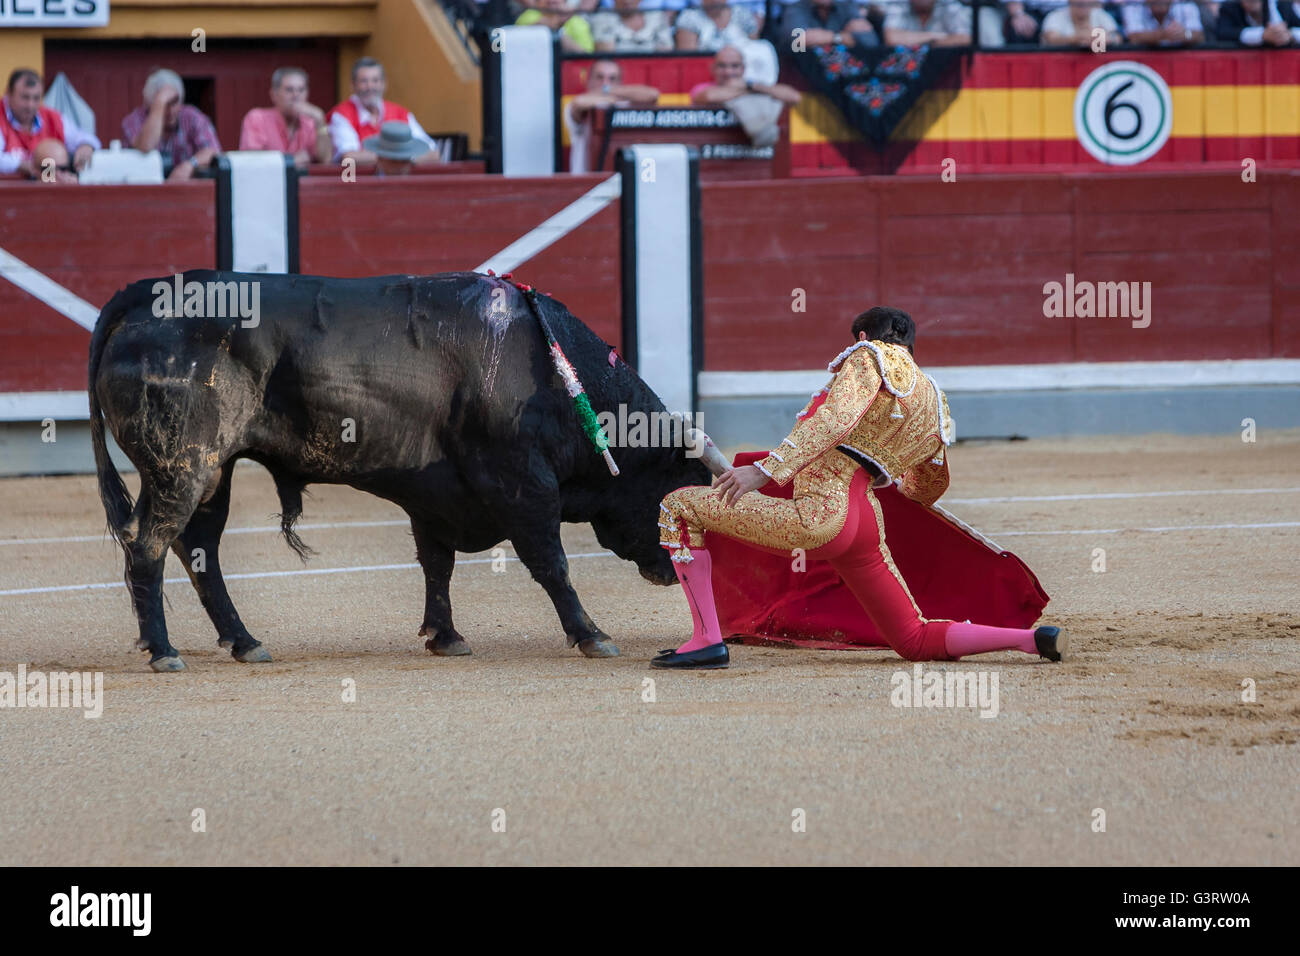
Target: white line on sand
[1120, 495]
[609, 554]
[1183, 527]
[298, 572]
[402, 522]
[256, 529]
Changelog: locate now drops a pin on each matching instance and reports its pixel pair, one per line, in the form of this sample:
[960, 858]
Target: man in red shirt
[293, 125]
[361, 115]
[32, 134]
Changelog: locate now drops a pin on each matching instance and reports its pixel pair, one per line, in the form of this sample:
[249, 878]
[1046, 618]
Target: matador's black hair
[885, 324]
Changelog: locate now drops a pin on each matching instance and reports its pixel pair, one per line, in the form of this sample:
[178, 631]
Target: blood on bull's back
[333, 377]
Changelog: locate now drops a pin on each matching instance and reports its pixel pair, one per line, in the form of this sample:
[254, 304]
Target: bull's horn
[712, 458]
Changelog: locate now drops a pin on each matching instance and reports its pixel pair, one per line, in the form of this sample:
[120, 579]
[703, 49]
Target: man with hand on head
[165, 122]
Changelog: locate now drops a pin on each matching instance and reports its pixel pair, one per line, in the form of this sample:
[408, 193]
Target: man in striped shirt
[165, 122]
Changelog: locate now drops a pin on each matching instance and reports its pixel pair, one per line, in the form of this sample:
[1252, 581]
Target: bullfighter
[879, 420]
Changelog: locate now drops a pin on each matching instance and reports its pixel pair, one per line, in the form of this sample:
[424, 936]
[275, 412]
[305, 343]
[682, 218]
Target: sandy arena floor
[1200, 591]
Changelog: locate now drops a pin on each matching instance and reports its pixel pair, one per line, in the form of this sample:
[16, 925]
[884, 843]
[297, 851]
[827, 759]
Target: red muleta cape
[951, 571]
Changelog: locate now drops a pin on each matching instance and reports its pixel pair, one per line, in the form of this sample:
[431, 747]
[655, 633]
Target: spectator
[728, 69]
[758, 106]
[361, 115]
[1025, 19]
[572, 28]
[293, 125]
[628, 29]
[757, 7]
[820, 22]
[576, 6]
[1163, 23]
[395, 148]
[31, 134]
[713, 25]
[672, 8]
[1257, 23]
[605, 88]
[937, 22]
[1072, 25]
[181, 133]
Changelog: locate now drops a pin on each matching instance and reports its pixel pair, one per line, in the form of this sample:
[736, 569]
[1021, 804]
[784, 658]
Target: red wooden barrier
[93, 240]
[449, 223]
[459, 167]
[675, 73]
[969, 260]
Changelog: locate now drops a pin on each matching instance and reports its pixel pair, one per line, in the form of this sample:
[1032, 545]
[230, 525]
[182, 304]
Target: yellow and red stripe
[1017, 109]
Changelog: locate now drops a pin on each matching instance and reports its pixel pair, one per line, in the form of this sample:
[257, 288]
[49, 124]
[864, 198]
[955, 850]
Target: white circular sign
[1123, 113]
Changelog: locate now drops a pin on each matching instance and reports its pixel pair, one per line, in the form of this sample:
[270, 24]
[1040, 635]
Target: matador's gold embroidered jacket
[881, 407]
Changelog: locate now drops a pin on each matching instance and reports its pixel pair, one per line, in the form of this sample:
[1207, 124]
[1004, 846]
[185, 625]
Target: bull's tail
[112, 490]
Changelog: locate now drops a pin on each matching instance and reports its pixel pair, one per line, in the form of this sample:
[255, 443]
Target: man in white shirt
[605, 89]
[1163, 23]
[938, 22]
[1073, 24]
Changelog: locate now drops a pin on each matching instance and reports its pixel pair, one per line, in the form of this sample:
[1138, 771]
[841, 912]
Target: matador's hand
[738, 482]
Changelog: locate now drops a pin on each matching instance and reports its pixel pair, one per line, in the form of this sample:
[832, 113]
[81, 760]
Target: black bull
[436, 393]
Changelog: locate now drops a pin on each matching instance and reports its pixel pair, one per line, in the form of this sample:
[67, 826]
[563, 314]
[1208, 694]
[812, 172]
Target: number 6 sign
[1123, 113]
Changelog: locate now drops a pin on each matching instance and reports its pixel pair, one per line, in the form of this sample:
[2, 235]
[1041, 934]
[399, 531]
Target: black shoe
[1052, 643]
[713, 657]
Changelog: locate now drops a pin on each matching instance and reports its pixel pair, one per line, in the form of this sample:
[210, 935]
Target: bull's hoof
[257, 654]
[448, 646]
[596, 647]
[167, 664]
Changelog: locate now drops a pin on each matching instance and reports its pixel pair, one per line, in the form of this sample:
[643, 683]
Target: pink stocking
[965, 638]
[697, 581]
